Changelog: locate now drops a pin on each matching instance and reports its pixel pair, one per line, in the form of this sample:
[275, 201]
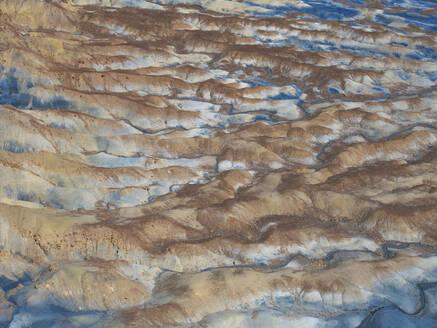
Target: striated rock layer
[218, 163]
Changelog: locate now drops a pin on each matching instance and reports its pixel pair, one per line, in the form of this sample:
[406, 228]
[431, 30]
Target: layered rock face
[218, 163]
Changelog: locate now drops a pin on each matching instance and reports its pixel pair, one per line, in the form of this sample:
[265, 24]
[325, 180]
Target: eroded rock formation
[218, 163]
